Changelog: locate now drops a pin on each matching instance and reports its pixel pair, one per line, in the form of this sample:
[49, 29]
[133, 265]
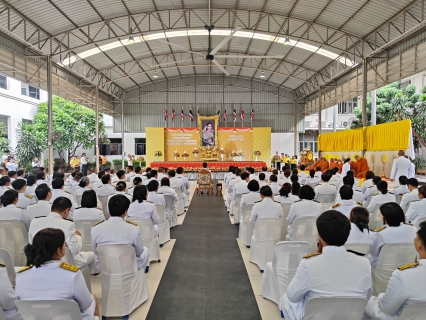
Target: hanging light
[262, 75]
[287, 41]
[155, 74]
[131, 40]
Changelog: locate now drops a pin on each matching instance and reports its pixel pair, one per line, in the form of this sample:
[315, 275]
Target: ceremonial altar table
[216, 166]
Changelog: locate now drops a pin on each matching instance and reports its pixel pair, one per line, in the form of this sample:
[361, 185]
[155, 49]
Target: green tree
[29, 144]
[4, 141]
[74, 126]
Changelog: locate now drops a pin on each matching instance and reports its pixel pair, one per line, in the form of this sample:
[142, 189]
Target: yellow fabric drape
[388, 136]
[341, 141]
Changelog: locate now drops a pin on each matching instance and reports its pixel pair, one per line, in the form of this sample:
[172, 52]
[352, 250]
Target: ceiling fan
[211, 53]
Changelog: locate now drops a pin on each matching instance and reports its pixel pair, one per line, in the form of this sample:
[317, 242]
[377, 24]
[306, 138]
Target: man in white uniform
[57, 219]
[43, 207]
[160, 174]
[266, 208]
[93, 176]
[154, 196]
[411, 196]
[176, 182]
[400, 167]
[302, 174]
[7, 296]
[154, 176]
[24, 200]
[332, 272]
[58, 191]
[346, 203]
[275, 187]
[185, 181]
[107, 189]
[98, 182]
[325, 188]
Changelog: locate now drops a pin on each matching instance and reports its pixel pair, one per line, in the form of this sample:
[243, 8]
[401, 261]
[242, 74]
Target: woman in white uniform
[295, 188]
[4, 185]
[9, 210]
[346, 167]
[83, 186]
[285, 195]
[140, 208]
[312, 179]
[359, 218]
[137, 181]
[252, 196]
[7, 296]
[89, 209]
[31, 186]
[47, 278]
[417, 208]
[262, 180]
[121, 188]
[382, 197]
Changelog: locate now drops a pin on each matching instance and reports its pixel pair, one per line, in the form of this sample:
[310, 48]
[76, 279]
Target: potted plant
[195, 152]
[176, 155]
[257, 153]
[234, 155]
[185, 155]
[240, 155]
[158, 154]
[275, 159]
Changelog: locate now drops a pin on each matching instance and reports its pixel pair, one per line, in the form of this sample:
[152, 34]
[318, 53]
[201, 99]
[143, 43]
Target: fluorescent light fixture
[131, 40]
[287, 41]
[155, 74]
[262, 75]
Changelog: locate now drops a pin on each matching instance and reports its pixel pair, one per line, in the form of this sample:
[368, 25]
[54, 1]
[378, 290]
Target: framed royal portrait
[208, 130]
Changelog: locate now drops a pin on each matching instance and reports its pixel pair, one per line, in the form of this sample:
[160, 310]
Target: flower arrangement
[257, 153]
[176, 154]
[234, 154]
[221, 151]
[275, 159]
[140, 158]
[195, 151]
[184, 154]
[158, 154]
[240, 154]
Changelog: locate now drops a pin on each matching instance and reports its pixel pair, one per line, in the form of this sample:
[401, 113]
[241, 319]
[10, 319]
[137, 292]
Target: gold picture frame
[207, 140]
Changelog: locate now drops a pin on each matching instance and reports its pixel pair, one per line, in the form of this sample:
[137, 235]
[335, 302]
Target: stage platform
[214, 166]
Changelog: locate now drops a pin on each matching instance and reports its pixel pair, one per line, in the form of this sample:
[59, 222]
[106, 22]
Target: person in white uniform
[241, 187]
[331, 272]
[413, 195]
[371, 190]
[31, 186]
[185, 180]
[9, 209]
[285, 177]
[262, 180]
[57, 219]
[120, 188]
[346, 167]
[412, 170]
[106, 189]
[273, 184]
[368, 182]
[318, 172]
[400, 167]
[394, 230]
[325, 188]
[25, 199]
[153, 176]
[335, 179]
[7, 296]
[346, 202]
[154, 196]
[137, 181]
[98, 183]
[93, 176]
[89, 208]
[139, 173]
[406, 285]
[47, 278]
[122, 177]
[12, 175]
[140, 208]
[383, 196]
[402, 188]
[83, 186]
[357, 194]
[165, 190]
[417, 208]
[43, 207]
[130, 174]
[266, 172]
[359, 218]
[302, 175]
[5, 185]
[266, 208]
[285, 195]
[58, 191]
[312, 179]
[253, 195]
[305, 207]
[250, 171]
[117, 230]
[176, 182]
[160, 173]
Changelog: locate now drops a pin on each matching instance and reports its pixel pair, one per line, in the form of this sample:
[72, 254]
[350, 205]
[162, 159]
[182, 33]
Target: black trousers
[84, 169]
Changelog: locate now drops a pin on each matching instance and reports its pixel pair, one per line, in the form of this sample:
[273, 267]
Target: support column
[364, 93]
[295, 129]
[97, 128]
[335, 109]
[49, 114]
[373, 108]
[319, 109]
[122, 135]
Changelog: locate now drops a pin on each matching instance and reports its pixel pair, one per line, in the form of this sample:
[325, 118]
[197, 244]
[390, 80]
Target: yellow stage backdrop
[180, 140]
[236, 139]
[262, 142]
[155, 142]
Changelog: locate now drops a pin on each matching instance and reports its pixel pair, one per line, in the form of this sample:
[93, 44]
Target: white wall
[283, 143]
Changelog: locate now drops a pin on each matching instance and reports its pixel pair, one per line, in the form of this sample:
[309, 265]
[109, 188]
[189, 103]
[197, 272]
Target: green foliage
[29, 145]
[4, 142]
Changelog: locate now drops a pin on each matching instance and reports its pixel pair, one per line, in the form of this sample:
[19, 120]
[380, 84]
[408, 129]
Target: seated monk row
[360, 166]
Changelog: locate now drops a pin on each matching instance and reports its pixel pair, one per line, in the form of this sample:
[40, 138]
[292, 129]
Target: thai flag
[190, 115]
[173, 114]
[242, 114]
[218, 112]
[225, 116]
[166, 115]
[252, 115]
[235, 114]
[182, 116]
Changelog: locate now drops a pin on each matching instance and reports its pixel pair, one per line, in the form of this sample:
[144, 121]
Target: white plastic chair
[147, 231]
[85, 228]
[420, 220]
[180, 206]
[2, 315]
[124, 288]
[163, 225]
[367, 202]
[6, 259]
[13, 238]
[305, 229]
[413, 312]
[104, 201]
[49, 309]
[375, 220]
[279, 273]
[325, 206]
[246, 227]
[237, 208]
[171, 210]
[335, 308]
[78, 199]
[69, 258]
[325, 198]
[267, 233]
[407, 207]
[363, 248]
[284, 223]
[390, 258]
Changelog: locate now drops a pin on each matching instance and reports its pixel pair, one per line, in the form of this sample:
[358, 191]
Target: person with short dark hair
[165, 190]
[312, 179]
[153, 195]
[368, 182]
[253, 195]
[89, 209]
[98, 183]
[394, 230]
[346, 202]
[205, 166]
[5, 184]
[262, 180]
[417, 209]
[285, 195]
[106, 189]
[359, 218]
[325, 188]
[20, 173]
[153, 176]
[12, 175]
[402, 188]
[58, 219]
[10, 210]
[130, 173]
[43, 207]
[331, 272]
[302, 174]
[118, 231]
[295, 188]
[383, 196]
[41, 178]
[120, 188]
[93, 176]
[305, 207]
[25, 199]
[31, 185]
[405, 287]
[177, 182]
[266, 208]
[413, 194]
[273, 184]
[180, 174]
[58, 191]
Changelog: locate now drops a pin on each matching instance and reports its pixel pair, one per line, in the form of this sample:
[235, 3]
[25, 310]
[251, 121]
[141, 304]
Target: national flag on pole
[173, 114]
[182, 116]
[198, 112]
[252, 115]
[218, 112]
[190, 115]
[225, 116]
[235, 114]
[242, 114]
[166, 115]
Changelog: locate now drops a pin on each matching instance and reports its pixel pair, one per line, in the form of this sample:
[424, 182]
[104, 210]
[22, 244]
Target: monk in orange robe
[325, 165]
[354, 167]
[333, 164]
[362, 166]
[315, 165]
[340, 165]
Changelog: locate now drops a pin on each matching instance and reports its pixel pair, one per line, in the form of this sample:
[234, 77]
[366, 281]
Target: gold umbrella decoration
[384, 159]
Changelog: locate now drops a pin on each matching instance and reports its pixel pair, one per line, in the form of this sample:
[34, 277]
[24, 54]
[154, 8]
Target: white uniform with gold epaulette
[40, 209]
[275, 187]
[88, 214]
[325, 188]
[370, 191]
[3, 189]
[267, 208]
[345, 206]
[122, 193]
[404, 233]
[24, 200]
[334, 273]
[144, 210]
[290, 199]
[250, 198]
[14, 212]
[55, 280]
[406, 286]
[358, 236]
[366, 184]
[79, 190]
[416, 211]
[7, 296]
[118, 231]
[401, 189]
[357, 197]
[56, 193]
[407, 198]
[301, 209]
[105, 190]
[156, 198]
[380, 198]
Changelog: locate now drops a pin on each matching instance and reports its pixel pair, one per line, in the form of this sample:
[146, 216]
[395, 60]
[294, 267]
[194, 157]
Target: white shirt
[262, 183]
[11, 166]
[83, 160]
[250, 198]
[160, 176]
[97, 184]
[56, 193]
[370, 190]
[41, 209]
[302, 177]
[290, 199]
[232, 183]
[380, 199]
[357, 197]
[8, 297]
[30, 190]
[156, 198]
[79, 191]
[122, 193]
[240, 188]
[229, 178]
[313, 180]
[400, 167]
[407, 198]
[401, 189]
[411, 171]
[346, 167]
[24, 200]
[93, 177]
[267, 208]
[88, 214]
[185, 182]
[345, 206]
[358, 236]
[416, 211]
[143, 210]
[325, 188]
[167, 191]
[146, 181]
[318, 174]
[284, 180]
[3, 189]
[253, 177]
[12, 212]
[366, 184]
[275, 187]
[176, 182]
[105, 190]
[301, 209]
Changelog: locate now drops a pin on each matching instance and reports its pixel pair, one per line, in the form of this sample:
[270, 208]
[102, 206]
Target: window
[348, 107]
[30, 91]
[3, 82]
[308, 141]
[111, 149]
[4, 120]
[27, 121]
[140, 146]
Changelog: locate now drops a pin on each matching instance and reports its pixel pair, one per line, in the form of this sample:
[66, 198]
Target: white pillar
[97, 129]
[49, 113]
[122, 135]
[319, 109]
[364, 93]
[335, 110]
[373, 108]
[295, 129]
